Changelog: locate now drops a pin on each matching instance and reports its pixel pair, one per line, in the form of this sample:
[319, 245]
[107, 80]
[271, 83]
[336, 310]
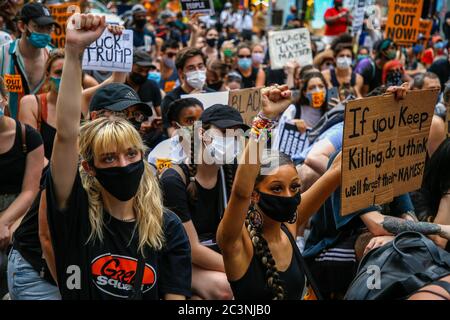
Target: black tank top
[335, 82]
[48, 134]
[253, 285]
[249, 82]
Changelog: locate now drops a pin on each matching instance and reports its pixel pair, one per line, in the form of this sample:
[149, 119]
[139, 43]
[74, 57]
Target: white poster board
[110, 53]
[210, 98]
[288, 45]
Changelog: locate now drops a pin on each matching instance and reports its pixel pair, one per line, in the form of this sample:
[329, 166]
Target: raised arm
[275, 101]
[82, 30]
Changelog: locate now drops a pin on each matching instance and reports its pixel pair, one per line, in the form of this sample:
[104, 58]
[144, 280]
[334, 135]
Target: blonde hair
[104, 135]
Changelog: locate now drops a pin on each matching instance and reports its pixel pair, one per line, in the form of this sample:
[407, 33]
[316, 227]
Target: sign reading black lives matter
[384, 148]
[197, 6]
[289, 45]
[110, 52]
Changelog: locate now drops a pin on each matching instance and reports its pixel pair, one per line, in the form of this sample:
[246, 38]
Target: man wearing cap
[142, 37]
[201, 206]
[117, 99]
[23, 60]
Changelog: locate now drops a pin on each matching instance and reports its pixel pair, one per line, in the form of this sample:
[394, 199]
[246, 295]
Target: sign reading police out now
[384, 148]
[288, 45]
[403, 21]
[61, 13]
[110, 52]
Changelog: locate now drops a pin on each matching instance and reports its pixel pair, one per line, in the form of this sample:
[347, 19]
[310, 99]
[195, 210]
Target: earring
[294, 218]
[255, 217]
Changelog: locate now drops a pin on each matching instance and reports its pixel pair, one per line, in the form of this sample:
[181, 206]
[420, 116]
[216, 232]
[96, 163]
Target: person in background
[258, 56]
[435, 51]
[25, 57]
[215, 75]
[244, 23]
[337, 19]
[393, 74]
[21, 165]
[324, 60]
[441, 67]
[293, 12]
[233, 81]
[363, 53]
[251, 76]
[143, 38]
[446, 25]
[226, 16]
[169, 75]
[413, 65]
[212, 41]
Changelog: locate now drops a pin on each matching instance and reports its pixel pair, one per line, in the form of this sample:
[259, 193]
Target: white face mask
[343, 62]
[223, 149]
[196, 79]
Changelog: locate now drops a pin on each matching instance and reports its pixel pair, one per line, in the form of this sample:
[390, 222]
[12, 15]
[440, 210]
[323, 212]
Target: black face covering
[281, 209]
[216, 85]
[121, 182]
[137, 78]
[211, 42]
[140, 23]
[136, 124]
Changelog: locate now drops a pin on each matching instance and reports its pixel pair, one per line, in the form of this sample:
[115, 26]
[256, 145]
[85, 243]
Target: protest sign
[384, 147]
[292, 141]
[358, 16]
[210, 98]
[13, 83]
[425, 26]
[61, 13]
[403, 21]
[110, 52]
[247, 102]
[288, 45]
[197, 6]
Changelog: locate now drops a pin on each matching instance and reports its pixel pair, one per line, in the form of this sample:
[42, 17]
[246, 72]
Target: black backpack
[406, 264]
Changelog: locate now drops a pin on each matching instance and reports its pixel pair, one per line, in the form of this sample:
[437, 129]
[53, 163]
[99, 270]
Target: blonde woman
[111, 236]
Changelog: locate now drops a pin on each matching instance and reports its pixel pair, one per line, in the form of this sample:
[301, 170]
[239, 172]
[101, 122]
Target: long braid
[191, 187]
[230, 172]
[253, 223]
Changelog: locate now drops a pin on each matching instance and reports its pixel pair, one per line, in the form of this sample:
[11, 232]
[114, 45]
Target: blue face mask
[155, 76]
[361, 56]
[2, 111]
[245, 63]
[39, 40]
[56, 82]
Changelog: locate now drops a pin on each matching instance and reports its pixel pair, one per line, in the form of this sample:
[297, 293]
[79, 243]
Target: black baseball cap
[223, 117]
[142, 58]
[38, 13]
[117, 97]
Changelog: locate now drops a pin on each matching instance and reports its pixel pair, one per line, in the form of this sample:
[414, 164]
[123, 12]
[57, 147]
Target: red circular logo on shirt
[114, 275]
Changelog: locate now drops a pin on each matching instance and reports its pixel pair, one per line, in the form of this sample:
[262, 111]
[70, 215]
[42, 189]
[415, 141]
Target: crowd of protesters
[115, 186]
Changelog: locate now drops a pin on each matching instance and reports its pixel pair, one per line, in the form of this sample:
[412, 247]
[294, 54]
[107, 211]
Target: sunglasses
[243, 57]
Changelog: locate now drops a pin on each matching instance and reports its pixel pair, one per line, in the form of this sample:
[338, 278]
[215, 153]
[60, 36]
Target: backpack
[406, 264]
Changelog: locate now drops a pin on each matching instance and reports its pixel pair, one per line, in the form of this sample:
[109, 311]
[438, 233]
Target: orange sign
[425, 26]
[13, 83]
[404, 21]
[61, 14]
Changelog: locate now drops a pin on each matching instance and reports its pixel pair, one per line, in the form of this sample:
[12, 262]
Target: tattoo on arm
[397, 225]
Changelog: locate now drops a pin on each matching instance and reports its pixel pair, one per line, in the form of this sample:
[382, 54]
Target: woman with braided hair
[256, 234]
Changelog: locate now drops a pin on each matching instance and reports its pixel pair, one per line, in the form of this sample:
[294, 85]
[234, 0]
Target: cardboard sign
[210, 98]
[197, 6]
[61, 14]
[288, 45]
[403, 21]
[13, 83]
[425, 26]
[292, 141]
[247, 102]
[110, 52]
[358, 16]
[384, 147]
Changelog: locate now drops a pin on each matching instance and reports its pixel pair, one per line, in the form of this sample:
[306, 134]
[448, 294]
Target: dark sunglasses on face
[242, 56]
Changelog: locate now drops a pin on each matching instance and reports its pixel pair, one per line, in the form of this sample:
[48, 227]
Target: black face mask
[216, 85]
[136, 124]
[281, 209]
[140, 23]
[211, 42]
[137, 78]
[121, 182]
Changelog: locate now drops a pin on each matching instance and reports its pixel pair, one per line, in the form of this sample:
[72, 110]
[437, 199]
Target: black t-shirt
[441, 67]
[372, 75]
[204, 212]
[149, 92]
[13, 162]
[173, 95]
[107, 268]
[275, 76]
[250, 81]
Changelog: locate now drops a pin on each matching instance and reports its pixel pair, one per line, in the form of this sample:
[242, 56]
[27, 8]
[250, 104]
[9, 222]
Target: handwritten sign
[288, 45]
[197, 6]
[358, 16]
[61, 14]
[292, 141]
[403, 21]
[247, 102]
[13, 83]
[110, 53]
[425, 26]
[384, 148]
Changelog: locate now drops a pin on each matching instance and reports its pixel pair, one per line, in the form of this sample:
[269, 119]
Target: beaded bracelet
[261, 124]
